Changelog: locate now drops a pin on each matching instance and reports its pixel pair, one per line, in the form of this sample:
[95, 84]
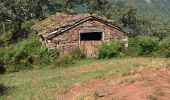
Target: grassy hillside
[91, 79]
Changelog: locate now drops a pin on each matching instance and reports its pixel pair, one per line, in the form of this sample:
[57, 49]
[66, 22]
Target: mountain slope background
[160, 6]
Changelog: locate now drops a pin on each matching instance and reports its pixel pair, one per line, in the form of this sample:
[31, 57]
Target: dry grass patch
[113, 78]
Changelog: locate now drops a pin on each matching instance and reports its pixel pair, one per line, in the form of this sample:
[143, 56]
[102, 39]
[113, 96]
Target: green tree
[128, 17]
[154, 24]
[97, 5]
[13, 13]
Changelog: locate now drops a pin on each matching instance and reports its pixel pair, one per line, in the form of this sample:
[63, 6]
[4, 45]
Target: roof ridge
[59, 22]
[55, 33]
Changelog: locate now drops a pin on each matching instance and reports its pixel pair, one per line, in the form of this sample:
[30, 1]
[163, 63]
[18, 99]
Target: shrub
[28, 24]
[18, 56]
[164, 47]
[78, 54]
[148, 45]
[26, 54]
[64, 60]
[3, 89]
[1, 63]
[1, 43]
[2, 69]
[109, 50]
[45, 56]
[167, 53]
[20, 62]
[143, 45]
[134, 48]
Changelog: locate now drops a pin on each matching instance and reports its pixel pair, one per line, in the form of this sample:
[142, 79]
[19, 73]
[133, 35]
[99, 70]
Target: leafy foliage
[64, 60]
[134, 48]
[78, 54]
[143, 46]
[3, 89]
[164, 47]
[128, 17]
[16, 15]
[109, 50]
[148, 44]
[2, 69]
[27, 54]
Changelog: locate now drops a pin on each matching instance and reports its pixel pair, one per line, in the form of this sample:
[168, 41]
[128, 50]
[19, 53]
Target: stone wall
[69, 40]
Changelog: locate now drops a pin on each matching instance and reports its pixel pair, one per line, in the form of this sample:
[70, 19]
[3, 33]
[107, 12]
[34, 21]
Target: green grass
[44, 84]
[152, 97]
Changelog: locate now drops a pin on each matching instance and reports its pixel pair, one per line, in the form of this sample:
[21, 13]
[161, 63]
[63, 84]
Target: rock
[105, 92]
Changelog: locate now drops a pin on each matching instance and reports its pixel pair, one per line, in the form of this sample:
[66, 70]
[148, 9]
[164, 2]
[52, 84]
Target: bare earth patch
[145, 84]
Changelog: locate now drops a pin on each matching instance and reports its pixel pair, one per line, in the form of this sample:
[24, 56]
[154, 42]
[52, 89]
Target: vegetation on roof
[61, 22]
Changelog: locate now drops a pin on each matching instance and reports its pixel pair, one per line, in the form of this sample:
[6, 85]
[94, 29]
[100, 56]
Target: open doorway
[91, 36]
[89, 41]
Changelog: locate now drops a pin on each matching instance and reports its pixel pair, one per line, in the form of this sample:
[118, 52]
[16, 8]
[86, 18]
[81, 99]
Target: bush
[3, 89]
[19, 56]
[143, 46]
[167, 53]
[26, 54]
[2, 69]
[64, 60]
[109, 50]
[78, 54]
[134, 48]
[27, 24]
[164, 47]
[1, 43]
[148, 45]
[45, 56]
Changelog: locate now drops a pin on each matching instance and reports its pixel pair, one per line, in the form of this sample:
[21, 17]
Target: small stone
[105, 92]
[100, 94]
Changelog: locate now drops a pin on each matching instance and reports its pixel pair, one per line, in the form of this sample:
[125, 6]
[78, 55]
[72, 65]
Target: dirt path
[147, 84]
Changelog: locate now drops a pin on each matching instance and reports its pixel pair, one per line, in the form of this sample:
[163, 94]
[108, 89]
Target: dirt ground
[145, 84]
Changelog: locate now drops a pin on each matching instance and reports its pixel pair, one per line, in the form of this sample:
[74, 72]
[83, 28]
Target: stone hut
[85, 31]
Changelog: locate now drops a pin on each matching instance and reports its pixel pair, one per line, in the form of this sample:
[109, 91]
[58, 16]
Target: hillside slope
[161, 6]
[90, 79]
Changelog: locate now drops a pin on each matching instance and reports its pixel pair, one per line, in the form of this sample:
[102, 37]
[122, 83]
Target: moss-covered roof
[55, 22]
[61, 22]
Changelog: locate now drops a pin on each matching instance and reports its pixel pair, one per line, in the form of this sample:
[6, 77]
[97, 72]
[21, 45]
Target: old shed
[85, 31]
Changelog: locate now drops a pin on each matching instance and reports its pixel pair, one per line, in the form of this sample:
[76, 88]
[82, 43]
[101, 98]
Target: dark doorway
[89, 42]
[91, 36]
